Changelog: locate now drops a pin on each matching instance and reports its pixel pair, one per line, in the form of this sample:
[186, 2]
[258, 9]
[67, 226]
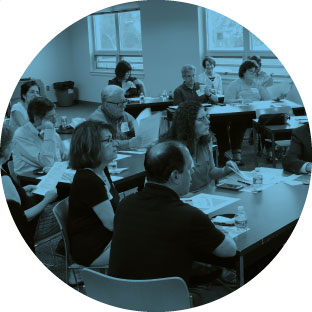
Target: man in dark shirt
[156, 235]
[298, 158]
[191, 90]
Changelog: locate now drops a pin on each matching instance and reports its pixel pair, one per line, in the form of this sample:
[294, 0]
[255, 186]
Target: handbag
[273, 119]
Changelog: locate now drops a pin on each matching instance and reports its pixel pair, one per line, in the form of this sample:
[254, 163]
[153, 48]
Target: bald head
[163, 158]
[111, 91]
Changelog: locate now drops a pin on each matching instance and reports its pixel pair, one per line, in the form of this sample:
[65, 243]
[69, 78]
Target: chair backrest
[60, 211]
[274, 110]
[164, 294]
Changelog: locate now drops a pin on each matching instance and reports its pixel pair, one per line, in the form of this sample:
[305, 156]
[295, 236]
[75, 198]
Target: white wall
[53, 63]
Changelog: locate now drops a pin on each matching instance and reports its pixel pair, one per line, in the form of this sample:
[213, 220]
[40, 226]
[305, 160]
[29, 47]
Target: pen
[245, 182]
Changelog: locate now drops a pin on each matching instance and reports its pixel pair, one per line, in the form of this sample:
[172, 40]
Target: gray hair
[187, 68]
[109, 91]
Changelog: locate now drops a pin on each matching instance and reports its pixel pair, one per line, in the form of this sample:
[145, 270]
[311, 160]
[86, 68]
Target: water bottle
[141, 98]
[257, 180]
[164, 96]
[241, 218]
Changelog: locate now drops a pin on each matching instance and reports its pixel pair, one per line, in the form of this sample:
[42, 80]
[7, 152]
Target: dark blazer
[300, 150]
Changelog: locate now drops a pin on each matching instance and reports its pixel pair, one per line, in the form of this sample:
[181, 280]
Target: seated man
[190, 90]
[298, 158]
[156, 235]
[36, 145]
[112, 112]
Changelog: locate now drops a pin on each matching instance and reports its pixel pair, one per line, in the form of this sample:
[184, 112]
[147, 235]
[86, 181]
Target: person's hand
[230, 166]
[130, 84]
[46, 169]
[50, 196]
[136, 142]
[29, 188]
[308, 167]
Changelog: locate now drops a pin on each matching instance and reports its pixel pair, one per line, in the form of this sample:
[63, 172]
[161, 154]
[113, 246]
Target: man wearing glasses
[112, 112]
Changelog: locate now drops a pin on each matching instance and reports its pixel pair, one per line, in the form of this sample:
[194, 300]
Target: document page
[50, 180]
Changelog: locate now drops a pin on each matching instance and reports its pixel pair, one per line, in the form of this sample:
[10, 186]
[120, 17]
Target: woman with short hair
[191, 127]
[18, 114]
[93, 198]
[209, 78]
[132, 86]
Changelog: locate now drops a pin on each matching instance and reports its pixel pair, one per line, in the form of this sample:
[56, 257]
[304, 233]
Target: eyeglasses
[119, 104]
[204, 118]
[107, 140]
[250, 71]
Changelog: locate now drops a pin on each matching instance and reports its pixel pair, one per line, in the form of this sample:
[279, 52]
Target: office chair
[61, 214]
[163, 294]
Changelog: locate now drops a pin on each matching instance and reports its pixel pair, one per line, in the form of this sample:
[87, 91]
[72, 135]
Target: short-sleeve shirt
[87, 235]
[18, 107]
[156, 235]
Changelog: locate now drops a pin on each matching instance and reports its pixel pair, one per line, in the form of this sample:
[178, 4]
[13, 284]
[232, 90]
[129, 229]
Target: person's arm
[32, 212]
[18, 118]
[9, 189]
[264, 93]
[29, 151]
[177, 97]
[293, 159]
[226, 249]
[105, 213]
[230, 95]
[140, 86]
[219, 85]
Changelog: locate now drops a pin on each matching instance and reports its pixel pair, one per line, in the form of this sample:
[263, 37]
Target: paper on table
[241, 174]
[115, 178]
[117, 170]
[208, 203]
[144, 114]
[148, 129]
[50, 180]
[232, 231]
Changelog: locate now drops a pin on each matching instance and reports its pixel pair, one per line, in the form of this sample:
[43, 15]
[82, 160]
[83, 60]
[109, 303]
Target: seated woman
[24, 207]
[93, 198]
[245, 89]
[132, 86]
[262, 78]
[209, 78]
[191, 127]
[19, 116]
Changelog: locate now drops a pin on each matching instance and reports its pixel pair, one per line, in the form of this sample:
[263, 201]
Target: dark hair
[183, 125]
[163, 158]
[210, 60]
[85, 144]
[6, 138]
[122, 68]
[245, 66]
[255, 58]
[26, 86]
[39, 106]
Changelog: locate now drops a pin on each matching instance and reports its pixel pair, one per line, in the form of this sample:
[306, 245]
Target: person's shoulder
[20, 132]
[180, 87]
[302, 131]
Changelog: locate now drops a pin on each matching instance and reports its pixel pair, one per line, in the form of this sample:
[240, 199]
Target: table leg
[255, 141]
[273, 151]
[240, 271]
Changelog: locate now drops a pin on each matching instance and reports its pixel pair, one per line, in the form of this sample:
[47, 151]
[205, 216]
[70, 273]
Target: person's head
[92, 145]
[123, 70]
[29, 90]
[256, 59]
[41, 109]
[5, 144]
[188, 74]
[209, 64]
[190, 125]
[169, 163]
[113, 100]
[248, 70]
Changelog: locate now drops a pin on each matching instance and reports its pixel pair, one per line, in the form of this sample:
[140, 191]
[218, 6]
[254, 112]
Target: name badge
[124, 127]
[199, 93]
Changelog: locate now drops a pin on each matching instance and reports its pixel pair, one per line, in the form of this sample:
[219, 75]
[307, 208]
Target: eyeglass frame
[203, 118]
[119, 104]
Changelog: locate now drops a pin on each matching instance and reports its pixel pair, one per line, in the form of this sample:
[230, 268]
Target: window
[114, 37]
[230, 43]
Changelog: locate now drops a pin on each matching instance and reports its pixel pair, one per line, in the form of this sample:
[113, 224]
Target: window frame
[233, 54]
[118, 53]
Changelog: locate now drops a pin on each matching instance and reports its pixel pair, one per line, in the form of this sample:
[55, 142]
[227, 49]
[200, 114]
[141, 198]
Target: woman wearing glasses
[132, 86]
[93, 198]
[191, 127]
